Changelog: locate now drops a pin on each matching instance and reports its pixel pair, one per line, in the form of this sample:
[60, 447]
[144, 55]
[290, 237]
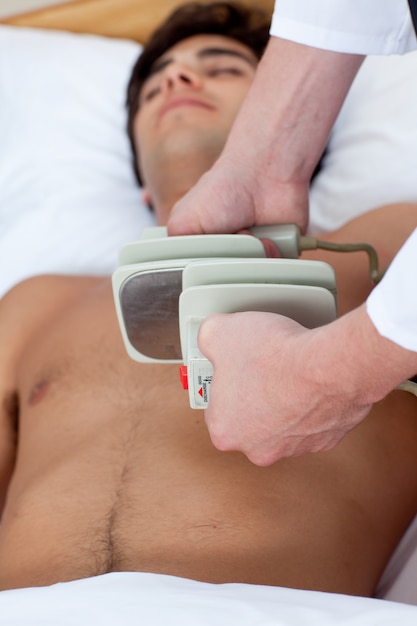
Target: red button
[184, 376]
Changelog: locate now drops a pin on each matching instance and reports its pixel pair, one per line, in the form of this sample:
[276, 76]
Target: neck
[176, 169]
[170, 187]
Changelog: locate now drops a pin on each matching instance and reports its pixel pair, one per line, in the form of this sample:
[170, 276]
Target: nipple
[38, 393]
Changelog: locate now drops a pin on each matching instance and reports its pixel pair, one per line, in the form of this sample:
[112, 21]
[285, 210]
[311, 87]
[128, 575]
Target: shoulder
[35, 299]
[55, 285]
[31, 304]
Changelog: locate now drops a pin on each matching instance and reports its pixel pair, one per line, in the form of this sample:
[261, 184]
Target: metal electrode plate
[148, 283]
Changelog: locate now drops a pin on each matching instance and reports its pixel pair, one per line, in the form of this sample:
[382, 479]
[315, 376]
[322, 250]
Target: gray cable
[409, 386]
[311, 243]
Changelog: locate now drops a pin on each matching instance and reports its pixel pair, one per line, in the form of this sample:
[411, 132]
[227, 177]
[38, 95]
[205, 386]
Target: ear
[146, 197]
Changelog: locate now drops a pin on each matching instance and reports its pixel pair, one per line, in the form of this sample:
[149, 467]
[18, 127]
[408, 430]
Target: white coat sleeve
[392, 305]
[352, 26]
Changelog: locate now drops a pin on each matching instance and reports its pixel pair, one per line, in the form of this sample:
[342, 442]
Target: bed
[69, 200]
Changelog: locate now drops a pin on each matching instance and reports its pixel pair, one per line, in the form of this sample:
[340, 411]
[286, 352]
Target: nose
[179, 75]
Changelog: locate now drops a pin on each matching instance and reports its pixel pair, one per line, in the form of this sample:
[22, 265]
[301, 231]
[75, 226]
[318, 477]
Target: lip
[185, 101]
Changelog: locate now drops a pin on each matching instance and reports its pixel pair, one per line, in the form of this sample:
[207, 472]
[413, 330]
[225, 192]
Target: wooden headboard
[133, 19]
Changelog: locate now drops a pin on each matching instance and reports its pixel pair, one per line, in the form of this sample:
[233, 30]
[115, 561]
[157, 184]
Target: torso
[116, 473]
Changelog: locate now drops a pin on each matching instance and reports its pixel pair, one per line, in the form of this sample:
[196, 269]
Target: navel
[38, 393]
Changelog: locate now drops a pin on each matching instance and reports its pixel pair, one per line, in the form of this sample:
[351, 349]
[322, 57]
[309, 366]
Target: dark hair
[250, 26]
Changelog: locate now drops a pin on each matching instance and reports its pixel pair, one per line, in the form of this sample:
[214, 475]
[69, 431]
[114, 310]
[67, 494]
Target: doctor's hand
[281, 390]
[234, 195]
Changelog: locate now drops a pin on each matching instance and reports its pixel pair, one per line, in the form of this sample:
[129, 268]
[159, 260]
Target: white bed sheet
[130, 599]
[69, 200]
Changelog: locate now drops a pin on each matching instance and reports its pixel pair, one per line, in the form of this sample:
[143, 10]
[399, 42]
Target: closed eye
[231, 71]
[148, 95]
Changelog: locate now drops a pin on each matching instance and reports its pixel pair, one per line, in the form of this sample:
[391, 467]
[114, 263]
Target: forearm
[294, 100]
[354, 360]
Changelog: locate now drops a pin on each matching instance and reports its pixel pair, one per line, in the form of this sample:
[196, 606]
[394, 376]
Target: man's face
[189, 102]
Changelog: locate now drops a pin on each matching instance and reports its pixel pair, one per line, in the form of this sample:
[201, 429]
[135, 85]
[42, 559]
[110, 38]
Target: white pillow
[372, 152]
[68, 196]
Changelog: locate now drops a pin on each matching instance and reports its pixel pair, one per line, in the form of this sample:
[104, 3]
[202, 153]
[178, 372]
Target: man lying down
[104, 467]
